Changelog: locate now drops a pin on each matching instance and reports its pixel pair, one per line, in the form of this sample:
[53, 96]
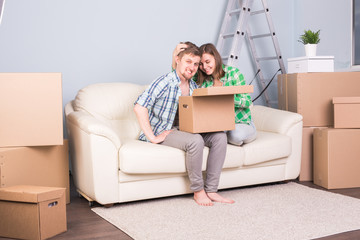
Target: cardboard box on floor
[311, 94]
[337, 158]
[40, 166]
[306, 169]
[32, 212]
[209, 109]
[346, 112]
[30, 109]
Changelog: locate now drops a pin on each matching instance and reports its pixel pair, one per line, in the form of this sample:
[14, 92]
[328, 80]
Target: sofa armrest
[282, 122]
[91, 125]
[94, 149]
[274, 120]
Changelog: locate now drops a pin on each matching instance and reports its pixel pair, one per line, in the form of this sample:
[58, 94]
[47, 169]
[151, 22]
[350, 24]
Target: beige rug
[280, 211]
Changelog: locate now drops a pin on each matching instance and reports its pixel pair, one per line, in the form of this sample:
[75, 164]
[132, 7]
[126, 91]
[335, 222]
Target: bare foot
[202, 199]
[217, 198]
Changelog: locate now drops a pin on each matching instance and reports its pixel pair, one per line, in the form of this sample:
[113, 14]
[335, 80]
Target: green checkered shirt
[233, 77]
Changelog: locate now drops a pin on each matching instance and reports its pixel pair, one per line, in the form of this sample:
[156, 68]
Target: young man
[156, 110]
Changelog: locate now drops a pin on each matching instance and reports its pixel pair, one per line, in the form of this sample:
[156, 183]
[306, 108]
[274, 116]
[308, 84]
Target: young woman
[212, 72]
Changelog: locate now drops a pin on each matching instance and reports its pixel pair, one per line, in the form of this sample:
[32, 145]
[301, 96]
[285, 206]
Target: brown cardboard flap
[340, 100]
[32, 194]
[228, 90]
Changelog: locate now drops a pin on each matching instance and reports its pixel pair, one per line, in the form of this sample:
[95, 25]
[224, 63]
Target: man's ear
[177, 60]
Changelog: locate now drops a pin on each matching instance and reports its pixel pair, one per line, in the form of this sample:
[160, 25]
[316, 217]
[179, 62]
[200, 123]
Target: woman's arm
[242, 100]
[180, 47]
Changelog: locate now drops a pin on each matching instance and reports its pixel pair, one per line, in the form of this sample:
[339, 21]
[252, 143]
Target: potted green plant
[310, 40]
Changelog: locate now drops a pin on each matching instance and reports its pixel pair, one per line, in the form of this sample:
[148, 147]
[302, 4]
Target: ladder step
[266, 58]
[235, 11]
[265, 81]
[227, 35]
[273, 102]
[257, 12]
[261, 35]
[224, 58]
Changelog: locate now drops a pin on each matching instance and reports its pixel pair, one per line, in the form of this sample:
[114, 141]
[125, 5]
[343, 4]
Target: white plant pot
[310, 50]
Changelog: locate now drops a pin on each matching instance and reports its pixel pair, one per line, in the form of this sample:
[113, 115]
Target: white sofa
[109, 164]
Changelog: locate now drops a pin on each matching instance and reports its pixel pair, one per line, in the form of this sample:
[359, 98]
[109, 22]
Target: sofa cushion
[139, 157]
[267, 146]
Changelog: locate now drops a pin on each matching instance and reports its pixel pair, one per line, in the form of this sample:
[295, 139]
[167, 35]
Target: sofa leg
[81, 194]
[109, 205]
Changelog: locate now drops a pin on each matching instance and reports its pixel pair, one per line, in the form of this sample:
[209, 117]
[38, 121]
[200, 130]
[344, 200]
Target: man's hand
[143, 119]
[161, 137]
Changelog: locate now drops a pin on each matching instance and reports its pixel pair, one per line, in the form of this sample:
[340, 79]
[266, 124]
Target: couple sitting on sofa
[157, 108]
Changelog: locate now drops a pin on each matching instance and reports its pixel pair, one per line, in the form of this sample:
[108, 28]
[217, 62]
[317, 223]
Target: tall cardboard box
[209, 109]
[337, 158]
[311, 94]
[39, 166]
[346, 112]
[32, 212]
[306, 169]
[30, 109]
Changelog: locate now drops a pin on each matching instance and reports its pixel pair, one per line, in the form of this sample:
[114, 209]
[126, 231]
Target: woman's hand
[179, 48]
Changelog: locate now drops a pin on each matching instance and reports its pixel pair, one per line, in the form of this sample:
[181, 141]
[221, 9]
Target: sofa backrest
[112, 103]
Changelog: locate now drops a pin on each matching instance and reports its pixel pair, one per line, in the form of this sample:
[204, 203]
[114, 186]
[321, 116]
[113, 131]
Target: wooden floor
[82, 223]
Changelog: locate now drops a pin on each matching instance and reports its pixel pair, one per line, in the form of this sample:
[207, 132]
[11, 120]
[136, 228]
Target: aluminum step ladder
[242, 11]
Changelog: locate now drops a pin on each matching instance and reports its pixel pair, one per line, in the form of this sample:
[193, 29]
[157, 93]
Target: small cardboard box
[337, 158]
[209, 109]
[346, 112]
[30, 109]
[311, 64]
[32, 212]
[40, 166]
[311, 94]
[306, 170]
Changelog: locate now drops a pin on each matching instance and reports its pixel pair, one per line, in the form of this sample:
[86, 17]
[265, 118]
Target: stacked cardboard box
[336, 150]
[32, 148]
[311, 95]
[32, 212]
[346, 112]
[337, 158]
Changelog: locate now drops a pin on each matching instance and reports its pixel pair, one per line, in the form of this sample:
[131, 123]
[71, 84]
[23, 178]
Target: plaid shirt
[161, 99]
[233, 77]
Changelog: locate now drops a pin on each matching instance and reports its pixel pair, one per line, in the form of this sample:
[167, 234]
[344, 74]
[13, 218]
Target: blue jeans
[243, 133]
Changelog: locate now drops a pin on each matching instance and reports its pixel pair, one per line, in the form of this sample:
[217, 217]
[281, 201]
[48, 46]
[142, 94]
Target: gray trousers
[193, 145]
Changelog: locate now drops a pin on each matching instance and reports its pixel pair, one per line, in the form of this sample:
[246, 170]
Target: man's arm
[142, 116]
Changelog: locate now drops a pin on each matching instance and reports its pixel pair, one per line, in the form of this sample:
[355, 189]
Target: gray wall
[93, 41]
